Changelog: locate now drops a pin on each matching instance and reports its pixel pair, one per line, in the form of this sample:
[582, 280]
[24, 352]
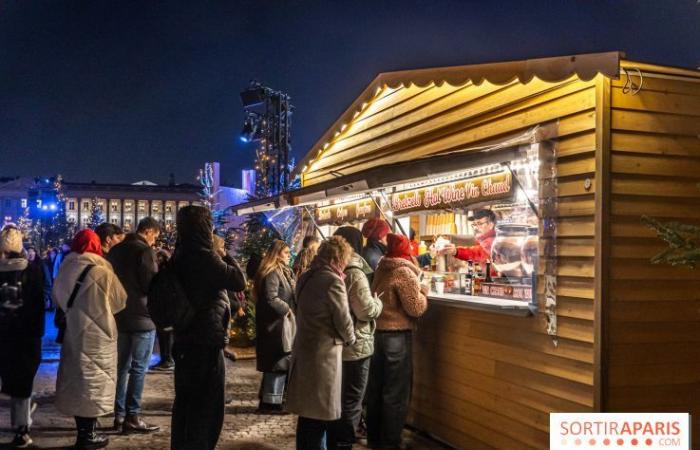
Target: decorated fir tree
[96, 214]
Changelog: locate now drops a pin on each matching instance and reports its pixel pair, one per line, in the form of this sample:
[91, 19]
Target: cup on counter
[439, 287]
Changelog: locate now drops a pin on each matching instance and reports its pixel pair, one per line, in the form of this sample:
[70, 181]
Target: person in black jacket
[134, 262]
[21, 329]
[198, 410]
[375, 231]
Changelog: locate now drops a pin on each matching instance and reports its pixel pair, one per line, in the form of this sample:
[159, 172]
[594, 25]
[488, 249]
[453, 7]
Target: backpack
[11, 299]
[167, 301]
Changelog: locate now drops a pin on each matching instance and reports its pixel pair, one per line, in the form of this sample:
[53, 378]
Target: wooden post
[602, 239]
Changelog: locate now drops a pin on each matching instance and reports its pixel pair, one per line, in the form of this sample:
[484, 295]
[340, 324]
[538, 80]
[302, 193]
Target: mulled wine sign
[460, 193]
[346, 212]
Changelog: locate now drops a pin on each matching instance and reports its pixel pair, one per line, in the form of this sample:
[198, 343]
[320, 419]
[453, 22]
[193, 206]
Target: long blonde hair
[271, 261]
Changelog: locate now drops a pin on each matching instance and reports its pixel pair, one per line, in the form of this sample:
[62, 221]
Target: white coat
[87, 373]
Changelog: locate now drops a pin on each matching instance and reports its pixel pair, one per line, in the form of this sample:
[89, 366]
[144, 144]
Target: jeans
[355, 376]
[20, 412]
[312, 434]
[165, 344]
[389, 388]
[272, 387]
[134, 354]
[198, 410]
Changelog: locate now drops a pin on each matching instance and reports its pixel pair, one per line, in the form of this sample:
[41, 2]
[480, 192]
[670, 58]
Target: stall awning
[383, 176]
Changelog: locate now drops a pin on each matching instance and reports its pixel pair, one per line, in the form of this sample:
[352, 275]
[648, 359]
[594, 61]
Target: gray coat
[275, 299]
[323, 326]
[364, 306]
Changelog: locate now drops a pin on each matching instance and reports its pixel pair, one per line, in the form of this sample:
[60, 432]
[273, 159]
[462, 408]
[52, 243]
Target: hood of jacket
[388, 263]
[15, 263]
[358, 262]
[194, 228]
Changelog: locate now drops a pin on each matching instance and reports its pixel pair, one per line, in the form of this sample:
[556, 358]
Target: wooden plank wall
[483, 380]
[654, 311]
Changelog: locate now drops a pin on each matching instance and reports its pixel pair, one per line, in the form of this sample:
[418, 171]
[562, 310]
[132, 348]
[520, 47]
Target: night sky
[120, 91]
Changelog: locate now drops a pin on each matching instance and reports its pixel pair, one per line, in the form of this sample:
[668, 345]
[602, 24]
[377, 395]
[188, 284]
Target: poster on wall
[456, 194]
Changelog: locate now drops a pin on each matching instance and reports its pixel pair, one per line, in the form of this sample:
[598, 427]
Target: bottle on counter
[478, 278]
[488, 278]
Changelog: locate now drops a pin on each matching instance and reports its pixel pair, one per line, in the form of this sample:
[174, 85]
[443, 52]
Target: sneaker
[163, 366]
[22, 439]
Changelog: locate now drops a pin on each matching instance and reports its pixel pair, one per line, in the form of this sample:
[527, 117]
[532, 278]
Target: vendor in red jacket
[484, 224]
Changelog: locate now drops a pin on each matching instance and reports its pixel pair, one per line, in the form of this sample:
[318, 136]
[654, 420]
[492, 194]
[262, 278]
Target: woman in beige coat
[324, 325]
[87, 372]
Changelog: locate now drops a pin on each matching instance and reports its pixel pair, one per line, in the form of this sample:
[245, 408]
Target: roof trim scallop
[554, 69]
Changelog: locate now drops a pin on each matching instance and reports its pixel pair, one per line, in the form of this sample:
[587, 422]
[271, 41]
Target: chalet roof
[554, 69]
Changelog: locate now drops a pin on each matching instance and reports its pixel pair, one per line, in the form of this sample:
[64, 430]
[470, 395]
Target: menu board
[456, 194]
[346, 212]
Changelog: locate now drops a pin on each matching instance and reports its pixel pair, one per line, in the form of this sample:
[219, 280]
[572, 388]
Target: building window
[23, 203]
[115, 208]
[8, 219]
[115, 220]
[71, 206]
[8, 203]
[86, 206]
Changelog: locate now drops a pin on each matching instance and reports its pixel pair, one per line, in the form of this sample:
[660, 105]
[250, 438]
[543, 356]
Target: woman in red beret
[397, 281]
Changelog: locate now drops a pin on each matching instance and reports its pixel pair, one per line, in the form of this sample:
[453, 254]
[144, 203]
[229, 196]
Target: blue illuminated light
[44, 207]
[52, 206]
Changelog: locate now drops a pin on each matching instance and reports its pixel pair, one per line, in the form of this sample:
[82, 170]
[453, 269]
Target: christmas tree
[96, 214]
[683, 243]
[56, 229]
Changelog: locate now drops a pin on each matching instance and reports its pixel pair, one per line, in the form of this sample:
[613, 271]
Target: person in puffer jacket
[198, 410]
[365, 308]
[396, 280]
[87, 373]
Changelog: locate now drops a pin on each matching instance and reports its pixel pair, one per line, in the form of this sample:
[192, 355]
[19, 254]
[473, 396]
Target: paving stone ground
[52, 430]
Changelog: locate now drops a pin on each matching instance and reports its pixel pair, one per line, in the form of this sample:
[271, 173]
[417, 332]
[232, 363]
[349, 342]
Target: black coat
[275, 298]
[134, 262]
[20, 340]
[205, 278]
[372, 252]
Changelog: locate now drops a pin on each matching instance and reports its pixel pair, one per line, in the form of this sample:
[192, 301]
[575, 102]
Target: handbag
[60, 318]
[289, 330]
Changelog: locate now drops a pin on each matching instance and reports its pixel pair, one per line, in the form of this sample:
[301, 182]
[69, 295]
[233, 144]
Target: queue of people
[355, 308]
[333, 333]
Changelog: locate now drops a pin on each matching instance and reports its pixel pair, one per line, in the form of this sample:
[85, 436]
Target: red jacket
[478, 253]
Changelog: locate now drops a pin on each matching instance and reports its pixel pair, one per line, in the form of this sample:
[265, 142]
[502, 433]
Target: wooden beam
[602, 239]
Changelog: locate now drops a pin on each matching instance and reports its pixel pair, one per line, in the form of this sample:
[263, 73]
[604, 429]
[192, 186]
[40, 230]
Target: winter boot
[22, 439]
[88, 438]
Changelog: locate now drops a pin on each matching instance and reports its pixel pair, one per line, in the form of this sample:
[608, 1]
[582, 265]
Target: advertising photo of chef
[484, 225]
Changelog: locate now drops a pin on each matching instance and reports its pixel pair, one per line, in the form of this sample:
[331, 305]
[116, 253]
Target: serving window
[477, 232]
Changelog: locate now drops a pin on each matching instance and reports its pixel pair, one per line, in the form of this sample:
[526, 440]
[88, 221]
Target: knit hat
[398, 246]
[352, 235]
[10, 240]
[375, 228]
[87, 241]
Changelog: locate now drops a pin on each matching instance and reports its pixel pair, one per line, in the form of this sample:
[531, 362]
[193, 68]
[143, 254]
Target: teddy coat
[87, 373]
[403, 296]
[324, 325]
[364, 307]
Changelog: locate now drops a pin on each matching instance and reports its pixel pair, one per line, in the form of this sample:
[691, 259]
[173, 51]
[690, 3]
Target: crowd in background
[334, 330]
